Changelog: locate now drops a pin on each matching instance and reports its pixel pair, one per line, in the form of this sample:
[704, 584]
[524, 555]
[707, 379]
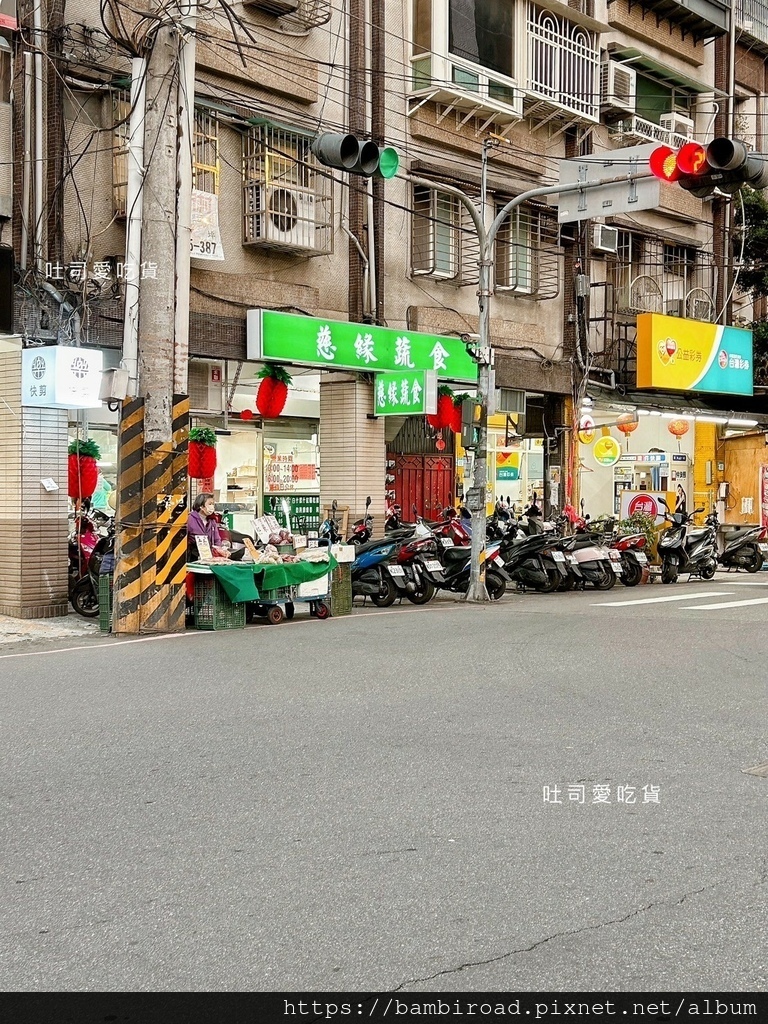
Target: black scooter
[85, 593]
[741, 545]
[683, 549]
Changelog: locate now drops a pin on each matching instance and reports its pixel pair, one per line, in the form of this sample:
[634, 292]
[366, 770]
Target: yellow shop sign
[692, 355]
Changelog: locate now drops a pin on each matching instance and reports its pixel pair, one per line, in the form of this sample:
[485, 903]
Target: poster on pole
[206, 239]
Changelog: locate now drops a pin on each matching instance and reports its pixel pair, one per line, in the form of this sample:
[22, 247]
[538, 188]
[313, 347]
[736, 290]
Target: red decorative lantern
[678, 428]
[273, 391]
[444, 415]
[246, 414]
[626, 423]
[456, 415]
[202, 453]
[82, 470]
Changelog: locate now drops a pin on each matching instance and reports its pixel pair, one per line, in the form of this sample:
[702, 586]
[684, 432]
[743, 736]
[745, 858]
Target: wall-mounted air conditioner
[282, 217]
[677, 123]
[605, 239]
[276, 7]
[618, 86]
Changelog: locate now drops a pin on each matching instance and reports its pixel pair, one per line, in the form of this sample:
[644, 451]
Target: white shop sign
[61, 377]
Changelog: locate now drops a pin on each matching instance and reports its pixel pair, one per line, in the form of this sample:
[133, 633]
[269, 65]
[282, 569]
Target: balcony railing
[563, 62]
[752, 17]
[638, 128]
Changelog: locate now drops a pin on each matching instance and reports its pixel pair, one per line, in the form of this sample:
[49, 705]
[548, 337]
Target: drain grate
[759, 769]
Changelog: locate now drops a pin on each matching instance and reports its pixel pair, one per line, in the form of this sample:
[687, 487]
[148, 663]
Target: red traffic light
[663, 163]
[692, 159]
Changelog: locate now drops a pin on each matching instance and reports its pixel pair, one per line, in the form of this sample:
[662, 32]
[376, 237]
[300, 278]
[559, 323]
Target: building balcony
[751, 17]
[637, 129]
[703, 19]
[563, 66]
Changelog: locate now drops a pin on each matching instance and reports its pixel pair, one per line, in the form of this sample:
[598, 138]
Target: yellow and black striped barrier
[151, 527]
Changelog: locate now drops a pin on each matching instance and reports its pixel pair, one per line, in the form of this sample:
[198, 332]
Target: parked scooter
[85, 593]
[362, 529]
[595, 563]
[741, 547]
[634, 560]
[374, 573]
[683, 548]
[329, 532]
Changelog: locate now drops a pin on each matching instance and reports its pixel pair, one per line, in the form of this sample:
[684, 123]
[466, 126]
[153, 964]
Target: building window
[482, 32]
[527, 259]
[121, 113]
[679, 260]
[436, 242]
[205, 154]
[287, 200]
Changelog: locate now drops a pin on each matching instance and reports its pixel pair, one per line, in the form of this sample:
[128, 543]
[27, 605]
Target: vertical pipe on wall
[26, 182]
[134, 207]
[37, 15]
[184, 199]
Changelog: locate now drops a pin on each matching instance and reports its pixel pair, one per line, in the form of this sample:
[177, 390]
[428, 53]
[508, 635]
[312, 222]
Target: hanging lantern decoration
[202, 453]
[678, 428]
[82, 470]
[455, 424]
[273, 391]
[246, 414]
[626, 423]
[444, 415]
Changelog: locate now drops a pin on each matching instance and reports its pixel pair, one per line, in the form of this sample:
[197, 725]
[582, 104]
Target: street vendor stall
[229, 593]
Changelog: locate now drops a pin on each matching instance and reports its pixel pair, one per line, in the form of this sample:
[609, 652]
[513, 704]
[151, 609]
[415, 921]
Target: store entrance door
[425, 481]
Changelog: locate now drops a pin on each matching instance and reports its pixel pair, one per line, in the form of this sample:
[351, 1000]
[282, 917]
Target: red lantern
[678, 428]
[202, 460]
[273, 391]
[246, 414]
[445, 409]
[82, 469]
[82, 476]
[626, 424]
[433, 419]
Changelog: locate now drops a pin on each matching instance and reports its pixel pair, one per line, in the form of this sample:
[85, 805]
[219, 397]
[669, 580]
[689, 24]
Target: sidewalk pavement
[63, 628]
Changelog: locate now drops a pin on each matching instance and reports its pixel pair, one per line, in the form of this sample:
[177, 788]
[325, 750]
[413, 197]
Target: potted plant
[202, 453]
[82, 470]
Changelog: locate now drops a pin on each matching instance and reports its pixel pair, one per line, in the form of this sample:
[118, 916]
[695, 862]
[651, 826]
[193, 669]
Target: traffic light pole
[477, 591]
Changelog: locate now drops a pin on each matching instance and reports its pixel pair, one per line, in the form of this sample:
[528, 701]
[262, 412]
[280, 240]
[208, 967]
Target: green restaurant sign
[310, 341]
[405, 392]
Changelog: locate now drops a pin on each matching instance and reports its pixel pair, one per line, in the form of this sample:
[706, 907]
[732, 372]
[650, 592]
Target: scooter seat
[456, 554]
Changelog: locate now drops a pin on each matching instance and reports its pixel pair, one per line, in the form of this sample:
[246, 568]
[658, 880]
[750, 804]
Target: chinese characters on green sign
[405, 393]
[289, 338]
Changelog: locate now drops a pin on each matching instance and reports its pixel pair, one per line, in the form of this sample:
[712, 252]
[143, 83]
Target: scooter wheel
[84, 601]
[669, 570]
[567, 583]
[708, 573]
[386, 596]
[633, 573]
[607, 580]
[553, 582]
[755, 563]
[495, 585]
[423, 596]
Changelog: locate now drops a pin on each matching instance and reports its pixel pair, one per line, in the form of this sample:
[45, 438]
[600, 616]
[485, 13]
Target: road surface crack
[557, 935]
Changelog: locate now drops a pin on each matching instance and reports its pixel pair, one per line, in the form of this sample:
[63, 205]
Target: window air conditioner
[286, 217]
[618, 86]
[276, 7]
[677, 123]
[606, 239]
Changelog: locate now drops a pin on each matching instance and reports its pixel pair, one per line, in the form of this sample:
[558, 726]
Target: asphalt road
[359, 804]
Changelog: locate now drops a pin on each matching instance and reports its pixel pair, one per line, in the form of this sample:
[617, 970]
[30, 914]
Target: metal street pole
[476, 591]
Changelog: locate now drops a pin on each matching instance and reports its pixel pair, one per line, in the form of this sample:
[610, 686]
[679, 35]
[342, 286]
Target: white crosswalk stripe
[659, 600]
[723, 604]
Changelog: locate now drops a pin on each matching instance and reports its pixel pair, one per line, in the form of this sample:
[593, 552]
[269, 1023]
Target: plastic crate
[106, 581]
[278, 596]
[341, 589]
[212, 607]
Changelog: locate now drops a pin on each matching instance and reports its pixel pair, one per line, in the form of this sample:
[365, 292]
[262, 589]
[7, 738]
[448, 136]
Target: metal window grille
[527, 256]
[563, 62]
[205, 153]
[121, 112]
[287, 201]
[444, 242]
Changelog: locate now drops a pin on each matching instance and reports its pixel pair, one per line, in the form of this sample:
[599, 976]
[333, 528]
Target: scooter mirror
[663, 502]
[368, 501]
[697, 510]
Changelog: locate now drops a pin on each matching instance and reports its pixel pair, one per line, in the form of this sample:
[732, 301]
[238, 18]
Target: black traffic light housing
[725, 164]
[355, 156]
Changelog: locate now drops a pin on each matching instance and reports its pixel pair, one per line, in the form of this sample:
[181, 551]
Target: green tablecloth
[242, 581]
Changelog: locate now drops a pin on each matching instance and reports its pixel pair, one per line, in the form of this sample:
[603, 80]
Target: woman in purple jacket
[202, 523]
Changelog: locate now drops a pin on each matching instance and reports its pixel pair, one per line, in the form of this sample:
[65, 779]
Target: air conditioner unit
[276, 7]
[675, 307]
[606, 239]
[286, 217]
[677, 123]
[618, 86]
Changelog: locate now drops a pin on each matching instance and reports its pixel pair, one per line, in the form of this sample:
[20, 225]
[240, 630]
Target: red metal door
[425, 481]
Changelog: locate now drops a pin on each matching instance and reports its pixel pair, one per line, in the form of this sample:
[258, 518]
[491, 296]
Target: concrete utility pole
[152, 448]
[476, 499]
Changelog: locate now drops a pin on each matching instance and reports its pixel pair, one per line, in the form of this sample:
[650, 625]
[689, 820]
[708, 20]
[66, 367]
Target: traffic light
[356, 156]
[725, 164]
[471, 418]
